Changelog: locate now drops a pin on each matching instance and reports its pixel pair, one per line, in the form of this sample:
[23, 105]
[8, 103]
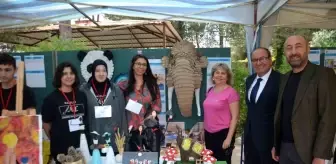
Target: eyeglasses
[140, 64]
[262, 59]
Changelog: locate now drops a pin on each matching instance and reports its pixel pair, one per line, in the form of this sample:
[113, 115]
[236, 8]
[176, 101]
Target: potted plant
[120, 142]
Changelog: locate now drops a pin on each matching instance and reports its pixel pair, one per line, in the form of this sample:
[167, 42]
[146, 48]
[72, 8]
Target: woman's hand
[130, 128]
[274, 156]
[226, 143]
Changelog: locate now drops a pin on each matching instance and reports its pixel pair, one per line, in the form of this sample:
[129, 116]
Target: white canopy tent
[258, 16]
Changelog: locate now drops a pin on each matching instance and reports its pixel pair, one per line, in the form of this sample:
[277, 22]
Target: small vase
[110, 157]
[96, 159]
[118, 158]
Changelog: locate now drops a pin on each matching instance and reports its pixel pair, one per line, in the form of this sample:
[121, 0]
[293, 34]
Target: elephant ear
[81, 55]
[108, 54]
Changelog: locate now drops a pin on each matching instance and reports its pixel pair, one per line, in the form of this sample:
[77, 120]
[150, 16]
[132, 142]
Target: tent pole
[251, 71]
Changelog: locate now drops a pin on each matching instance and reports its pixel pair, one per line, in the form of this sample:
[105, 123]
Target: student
[141, 88]
[8, 89]
[64, 110]
[103, 94]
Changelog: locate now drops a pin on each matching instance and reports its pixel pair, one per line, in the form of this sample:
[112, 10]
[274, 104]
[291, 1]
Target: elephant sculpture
[184, 67]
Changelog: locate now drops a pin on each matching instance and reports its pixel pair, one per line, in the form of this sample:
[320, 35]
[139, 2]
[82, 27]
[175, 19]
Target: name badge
[133, 106]
[103, 111]
[76, 124]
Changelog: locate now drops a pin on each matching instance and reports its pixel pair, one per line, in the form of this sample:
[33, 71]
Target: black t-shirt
[56, 110]
[287, 106]
[28, 98]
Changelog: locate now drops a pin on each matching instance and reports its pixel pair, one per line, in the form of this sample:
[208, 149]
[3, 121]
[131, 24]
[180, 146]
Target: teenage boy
[8, 89]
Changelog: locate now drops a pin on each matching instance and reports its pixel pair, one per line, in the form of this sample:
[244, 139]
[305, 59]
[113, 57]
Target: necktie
[254, 91]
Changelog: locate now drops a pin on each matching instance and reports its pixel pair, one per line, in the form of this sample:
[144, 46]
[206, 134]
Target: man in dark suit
[305, 121]
[261, 98]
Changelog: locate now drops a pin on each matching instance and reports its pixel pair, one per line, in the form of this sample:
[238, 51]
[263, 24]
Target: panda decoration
[88, 58]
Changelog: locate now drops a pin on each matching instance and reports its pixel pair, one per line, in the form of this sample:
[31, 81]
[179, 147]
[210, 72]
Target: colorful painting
[20, 139]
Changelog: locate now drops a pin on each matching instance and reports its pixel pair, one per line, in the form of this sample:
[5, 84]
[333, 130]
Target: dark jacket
[313, 118]
[260, 116]
[115, 98]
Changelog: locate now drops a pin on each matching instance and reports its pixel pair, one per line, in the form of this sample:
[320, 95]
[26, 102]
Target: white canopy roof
[264, 14]
[298, 13]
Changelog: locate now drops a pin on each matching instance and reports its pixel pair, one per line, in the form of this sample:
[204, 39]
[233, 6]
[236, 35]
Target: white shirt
[261, 86]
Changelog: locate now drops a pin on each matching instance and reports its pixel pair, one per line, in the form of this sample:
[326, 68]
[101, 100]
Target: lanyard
[72, 105]
[104, 93]
[5, 106]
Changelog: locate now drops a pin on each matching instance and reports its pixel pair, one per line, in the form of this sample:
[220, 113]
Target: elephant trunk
[184, 86]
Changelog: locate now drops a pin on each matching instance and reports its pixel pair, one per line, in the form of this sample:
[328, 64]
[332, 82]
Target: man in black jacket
[261, 98]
